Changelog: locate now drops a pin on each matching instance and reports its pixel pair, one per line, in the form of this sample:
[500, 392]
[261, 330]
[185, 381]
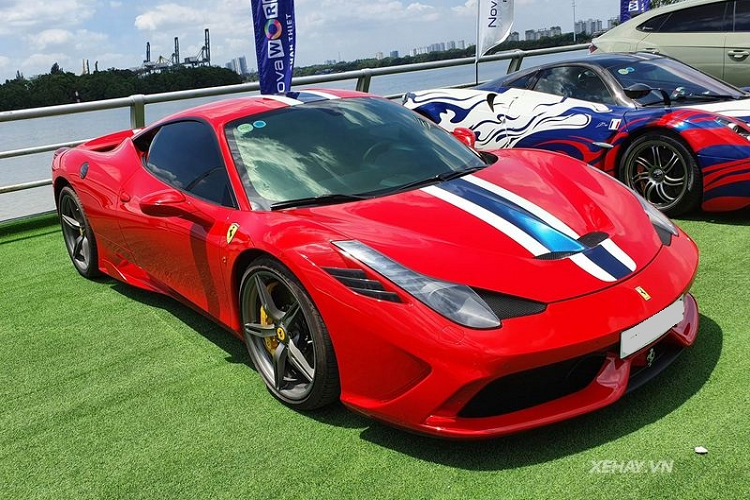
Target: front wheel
[286, 337]
[662, 170]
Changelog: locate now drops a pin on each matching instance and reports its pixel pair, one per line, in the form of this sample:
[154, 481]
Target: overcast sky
[35, 34]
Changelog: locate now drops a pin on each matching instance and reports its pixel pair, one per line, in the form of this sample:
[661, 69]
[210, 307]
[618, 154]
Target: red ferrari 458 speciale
[364, 254]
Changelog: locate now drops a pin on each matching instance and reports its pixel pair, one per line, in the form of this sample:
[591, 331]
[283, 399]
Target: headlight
[734, 127]
[665, 228]
[458, 303]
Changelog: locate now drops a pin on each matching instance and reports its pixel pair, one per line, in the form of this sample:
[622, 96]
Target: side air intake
[357, 281]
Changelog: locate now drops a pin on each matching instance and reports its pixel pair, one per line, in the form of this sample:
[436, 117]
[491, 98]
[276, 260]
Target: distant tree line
[62, 87]
[565, 39]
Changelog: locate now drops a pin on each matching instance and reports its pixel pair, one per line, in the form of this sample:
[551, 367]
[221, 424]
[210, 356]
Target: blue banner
[274, 44]
[631, 8]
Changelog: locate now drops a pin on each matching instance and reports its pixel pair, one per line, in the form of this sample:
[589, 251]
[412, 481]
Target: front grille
[507, 306]
[357, 281]
[534, 387]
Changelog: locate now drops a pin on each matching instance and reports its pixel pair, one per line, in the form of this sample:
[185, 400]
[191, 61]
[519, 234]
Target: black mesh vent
[555, 255]
[593, 239]
[507, 306]
[589, 240]
[533, 387]
[357, 281]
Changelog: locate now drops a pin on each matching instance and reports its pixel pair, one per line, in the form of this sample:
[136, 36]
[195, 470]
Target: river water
[59, 129]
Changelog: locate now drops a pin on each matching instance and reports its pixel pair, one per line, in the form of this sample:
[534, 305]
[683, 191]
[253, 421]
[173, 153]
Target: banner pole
[476, 57]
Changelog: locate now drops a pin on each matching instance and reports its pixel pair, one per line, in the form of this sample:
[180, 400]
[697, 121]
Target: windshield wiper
[705, 97]
[323, 199]
[442, 177]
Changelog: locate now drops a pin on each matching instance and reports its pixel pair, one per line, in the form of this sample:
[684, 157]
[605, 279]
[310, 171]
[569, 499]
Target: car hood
[737, 109]
[535, 224]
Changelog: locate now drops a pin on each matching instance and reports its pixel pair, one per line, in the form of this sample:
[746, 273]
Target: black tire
[77, 234]
[664, 171]
[286, 337]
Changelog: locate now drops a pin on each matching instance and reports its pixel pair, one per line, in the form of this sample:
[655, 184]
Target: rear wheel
[286, 337]
[77, 233]
[662, 170]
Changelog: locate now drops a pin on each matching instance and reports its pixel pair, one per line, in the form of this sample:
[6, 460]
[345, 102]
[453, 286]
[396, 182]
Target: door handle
[738, 54]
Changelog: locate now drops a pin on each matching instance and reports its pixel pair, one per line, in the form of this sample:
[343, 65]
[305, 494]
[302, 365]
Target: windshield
[682, 82]
[340, 148]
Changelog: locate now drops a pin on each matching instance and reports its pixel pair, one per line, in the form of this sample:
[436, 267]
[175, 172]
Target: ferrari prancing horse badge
[231, 232]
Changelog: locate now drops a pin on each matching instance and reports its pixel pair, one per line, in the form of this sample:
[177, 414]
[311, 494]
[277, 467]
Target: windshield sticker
[626, 71]
[244, 128]
[259, 124]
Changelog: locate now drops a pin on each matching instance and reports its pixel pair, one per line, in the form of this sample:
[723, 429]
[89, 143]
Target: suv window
[577, 82]
[742, 15]
[710, 18]
[186, 155]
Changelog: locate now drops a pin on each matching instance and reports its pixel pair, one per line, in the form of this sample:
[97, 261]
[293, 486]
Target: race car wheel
[286, 337]
[77, 233]
[662, 170]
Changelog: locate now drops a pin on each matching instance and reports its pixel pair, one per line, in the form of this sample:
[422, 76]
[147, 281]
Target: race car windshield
[337, 150]
[681, 82]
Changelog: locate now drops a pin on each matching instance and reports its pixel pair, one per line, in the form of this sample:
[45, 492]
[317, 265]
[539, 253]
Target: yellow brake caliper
[271, 342]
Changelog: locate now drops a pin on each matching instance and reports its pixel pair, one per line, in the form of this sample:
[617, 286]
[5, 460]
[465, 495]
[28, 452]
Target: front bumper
[452, 374]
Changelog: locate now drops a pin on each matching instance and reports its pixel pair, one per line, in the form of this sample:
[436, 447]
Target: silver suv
[712, 35]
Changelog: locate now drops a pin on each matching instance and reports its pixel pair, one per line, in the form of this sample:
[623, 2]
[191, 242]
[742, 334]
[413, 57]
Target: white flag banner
[495, 21]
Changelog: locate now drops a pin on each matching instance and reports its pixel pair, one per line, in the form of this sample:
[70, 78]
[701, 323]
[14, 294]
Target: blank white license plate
[645, 332]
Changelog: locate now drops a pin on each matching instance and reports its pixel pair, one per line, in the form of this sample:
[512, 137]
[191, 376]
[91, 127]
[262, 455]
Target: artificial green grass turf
[107, 391]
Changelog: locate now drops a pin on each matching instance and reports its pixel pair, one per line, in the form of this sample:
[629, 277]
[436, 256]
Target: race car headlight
[734, 127]
[664, 227]
[458, 303]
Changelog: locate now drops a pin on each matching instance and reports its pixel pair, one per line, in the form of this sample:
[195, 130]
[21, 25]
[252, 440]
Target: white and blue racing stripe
[532, 227]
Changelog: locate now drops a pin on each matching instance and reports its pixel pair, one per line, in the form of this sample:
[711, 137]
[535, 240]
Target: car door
[694, 35]
[737, 56]
[176, 210]
[568, 109]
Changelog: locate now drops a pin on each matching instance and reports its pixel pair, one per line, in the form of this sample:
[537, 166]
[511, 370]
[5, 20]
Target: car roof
[603, 60]
[230, 109]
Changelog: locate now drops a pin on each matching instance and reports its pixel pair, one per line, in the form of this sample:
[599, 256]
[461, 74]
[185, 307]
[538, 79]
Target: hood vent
[590, 240]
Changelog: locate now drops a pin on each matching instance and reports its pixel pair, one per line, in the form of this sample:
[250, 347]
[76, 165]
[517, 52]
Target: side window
[558, 81]
[742, 15]
[576, 82]
[185, 155]
[709, 18]
[653, 24]
[520, 83]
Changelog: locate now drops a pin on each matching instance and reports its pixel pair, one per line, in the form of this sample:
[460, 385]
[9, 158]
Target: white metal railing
[138, 103]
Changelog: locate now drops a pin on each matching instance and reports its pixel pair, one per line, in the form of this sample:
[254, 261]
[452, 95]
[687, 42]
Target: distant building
[612, 22]
[378, 55]
[451, 45]
[555, 31]
[394, 54]
[413, 52]
[530, 35]
[588, 26]
[330, 61]
[514, 37]
[243, 65]
[460, 45]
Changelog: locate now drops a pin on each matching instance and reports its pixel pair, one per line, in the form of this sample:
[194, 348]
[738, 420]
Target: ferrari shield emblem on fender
[643, 293]
[231, 232]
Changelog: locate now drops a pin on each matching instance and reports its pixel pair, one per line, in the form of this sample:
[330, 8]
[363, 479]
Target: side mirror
[641, 90]
[465, 135]
[172, 203]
